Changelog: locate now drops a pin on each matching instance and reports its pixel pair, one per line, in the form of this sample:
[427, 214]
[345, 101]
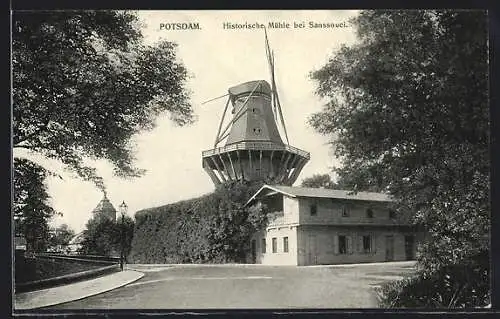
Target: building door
[254, 251]
[410, 247]
[312, 253]
[389, 248]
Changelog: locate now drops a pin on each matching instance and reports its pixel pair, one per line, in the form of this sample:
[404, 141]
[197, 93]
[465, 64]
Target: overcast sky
[216, 58]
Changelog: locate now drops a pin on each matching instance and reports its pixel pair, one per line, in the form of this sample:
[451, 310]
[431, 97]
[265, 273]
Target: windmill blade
[273, 85]
[281, 117]
[224, 137]
[277, 103]
[239, 113]
[268, 50]
[274, 88]
[217, 138]
[271, 71]
[215, 98]
[275, 98]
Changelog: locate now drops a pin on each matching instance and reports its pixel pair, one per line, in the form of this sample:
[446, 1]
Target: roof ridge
[327, 189]
[296, 191]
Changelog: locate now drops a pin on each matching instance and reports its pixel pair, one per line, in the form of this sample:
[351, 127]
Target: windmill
[253, 149]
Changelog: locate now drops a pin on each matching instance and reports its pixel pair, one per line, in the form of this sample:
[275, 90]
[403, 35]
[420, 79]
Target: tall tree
[31, 207]
[408, 105]
[84, 83]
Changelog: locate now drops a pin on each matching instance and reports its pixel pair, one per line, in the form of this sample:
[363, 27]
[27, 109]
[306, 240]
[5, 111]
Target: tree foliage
[84, 83]
[213, 228]
[60, 236]
[319, 181]
[464, 285]
[408, 105]
[104, 237]
[31, 207]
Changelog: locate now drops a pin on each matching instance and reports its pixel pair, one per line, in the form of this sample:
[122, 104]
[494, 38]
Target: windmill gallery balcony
[255, 160]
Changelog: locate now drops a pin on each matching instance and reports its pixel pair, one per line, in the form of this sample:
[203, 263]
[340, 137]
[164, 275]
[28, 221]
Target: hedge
[213, 228]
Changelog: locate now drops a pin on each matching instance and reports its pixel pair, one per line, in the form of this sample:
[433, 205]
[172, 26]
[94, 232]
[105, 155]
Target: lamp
[123, 210]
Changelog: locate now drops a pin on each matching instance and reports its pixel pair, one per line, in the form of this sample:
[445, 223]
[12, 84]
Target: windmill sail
[275, 97]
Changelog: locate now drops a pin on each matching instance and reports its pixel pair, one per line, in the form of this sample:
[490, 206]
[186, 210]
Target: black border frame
[494, 63]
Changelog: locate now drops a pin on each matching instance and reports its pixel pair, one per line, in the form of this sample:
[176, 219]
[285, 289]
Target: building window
[369, 213]
[345, 211]
[275, 245]
[263, 245]
[314, 209]
[285, 244]
[255, 111]
[342, 244]
[392, 214]
[367, 244]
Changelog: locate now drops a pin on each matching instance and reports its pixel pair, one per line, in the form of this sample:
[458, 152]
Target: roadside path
[75, 291]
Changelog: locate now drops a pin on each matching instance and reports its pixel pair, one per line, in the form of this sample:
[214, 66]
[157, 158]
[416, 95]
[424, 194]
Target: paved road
[248, 287]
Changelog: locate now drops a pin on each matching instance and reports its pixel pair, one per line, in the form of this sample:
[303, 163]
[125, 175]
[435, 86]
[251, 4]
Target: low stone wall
[101, 267]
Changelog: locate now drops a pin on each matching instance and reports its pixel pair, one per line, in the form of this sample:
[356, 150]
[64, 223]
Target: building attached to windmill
[306, 226]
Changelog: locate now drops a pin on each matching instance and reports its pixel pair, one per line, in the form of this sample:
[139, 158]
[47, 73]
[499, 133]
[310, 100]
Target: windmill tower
[253, 148]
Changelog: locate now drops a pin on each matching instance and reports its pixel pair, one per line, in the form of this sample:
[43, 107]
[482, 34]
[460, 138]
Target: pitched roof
[104, 206]
[323, 193]
[77, 239]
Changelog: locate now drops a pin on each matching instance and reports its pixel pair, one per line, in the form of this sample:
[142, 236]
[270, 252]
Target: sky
[217, 59]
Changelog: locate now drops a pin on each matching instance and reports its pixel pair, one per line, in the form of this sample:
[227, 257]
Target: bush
[463, 285]
[214, 228]
[105, 237]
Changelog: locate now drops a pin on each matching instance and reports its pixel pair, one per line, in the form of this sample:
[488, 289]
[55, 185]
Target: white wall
[314, 239]
[329, 211]
[319, 245]
[279, 257]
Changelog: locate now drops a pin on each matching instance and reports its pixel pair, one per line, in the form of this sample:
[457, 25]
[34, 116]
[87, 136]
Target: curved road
[248, 286]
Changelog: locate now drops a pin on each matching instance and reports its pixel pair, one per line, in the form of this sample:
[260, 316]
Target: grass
[31, 269]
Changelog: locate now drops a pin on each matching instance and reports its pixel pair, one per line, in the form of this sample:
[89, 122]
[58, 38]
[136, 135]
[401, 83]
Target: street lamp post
[123, 211]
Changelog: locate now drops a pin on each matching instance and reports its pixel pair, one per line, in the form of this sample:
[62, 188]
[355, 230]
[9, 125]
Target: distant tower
[254, 149]
[105, 209]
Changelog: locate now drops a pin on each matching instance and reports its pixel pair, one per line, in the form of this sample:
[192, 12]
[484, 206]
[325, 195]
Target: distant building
[75, 243]
[105, 209]
[312, 226]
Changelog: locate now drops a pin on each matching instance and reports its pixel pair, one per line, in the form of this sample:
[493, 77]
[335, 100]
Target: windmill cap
[258, 86]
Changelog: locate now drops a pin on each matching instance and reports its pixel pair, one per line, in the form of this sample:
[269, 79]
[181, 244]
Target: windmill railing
[265, 146]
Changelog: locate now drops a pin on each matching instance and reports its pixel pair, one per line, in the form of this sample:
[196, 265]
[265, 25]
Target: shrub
[461, 285]
[105, 237]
